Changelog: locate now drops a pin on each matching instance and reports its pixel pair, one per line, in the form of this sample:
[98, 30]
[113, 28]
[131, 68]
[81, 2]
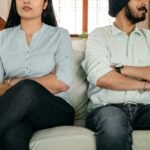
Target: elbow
[100, 83]
[97, 83]
[103, 82]
[64, 87]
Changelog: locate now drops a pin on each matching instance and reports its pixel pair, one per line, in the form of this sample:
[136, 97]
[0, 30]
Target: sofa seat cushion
[78, 138]
[63, 138]
[141, 140]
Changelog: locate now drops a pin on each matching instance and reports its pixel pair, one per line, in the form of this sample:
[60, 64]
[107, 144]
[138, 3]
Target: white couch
[77, 137]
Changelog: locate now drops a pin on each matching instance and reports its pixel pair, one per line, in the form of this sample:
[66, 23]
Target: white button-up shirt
[108, 45]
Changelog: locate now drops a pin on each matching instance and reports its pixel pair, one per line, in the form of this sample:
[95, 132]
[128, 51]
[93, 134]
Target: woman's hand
[3, 88]
[12, 81]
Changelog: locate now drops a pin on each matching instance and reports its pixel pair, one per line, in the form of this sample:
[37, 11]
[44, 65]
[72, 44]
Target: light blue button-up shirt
[49, 47]
[106, 46]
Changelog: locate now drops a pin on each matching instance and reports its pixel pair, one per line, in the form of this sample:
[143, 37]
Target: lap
[140, 116]
[28, 99]
[108, 116]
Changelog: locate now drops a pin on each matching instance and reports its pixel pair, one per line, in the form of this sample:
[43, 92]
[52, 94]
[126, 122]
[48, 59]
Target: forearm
[49, 81]
[116, 81]
[142, 73]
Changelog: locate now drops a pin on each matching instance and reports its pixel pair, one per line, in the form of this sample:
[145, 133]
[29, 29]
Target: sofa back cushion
[78, 89]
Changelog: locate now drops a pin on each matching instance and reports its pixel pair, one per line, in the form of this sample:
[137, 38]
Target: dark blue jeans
[26, 108]
[113, 125]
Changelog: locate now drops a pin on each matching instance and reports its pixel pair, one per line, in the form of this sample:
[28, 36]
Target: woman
[36, 63]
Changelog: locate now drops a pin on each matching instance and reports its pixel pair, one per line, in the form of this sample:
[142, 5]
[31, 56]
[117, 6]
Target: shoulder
[55, 30]
[101, 31]
[10, 30]
[5, 33]
[100, 34]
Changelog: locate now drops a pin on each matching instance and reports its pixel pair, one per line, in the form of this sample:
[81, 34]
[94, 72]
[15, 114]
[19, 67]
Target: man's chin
[137, 19]
[140, 19]
[142, 15]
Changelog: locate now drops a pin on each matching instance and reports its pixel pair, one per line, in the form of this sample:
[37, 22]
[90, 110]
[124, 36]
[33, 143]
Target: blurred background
[78, 16]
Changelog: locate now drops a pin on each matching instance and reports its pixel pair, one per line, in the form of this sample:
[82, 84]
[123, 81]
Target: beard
[135, 19]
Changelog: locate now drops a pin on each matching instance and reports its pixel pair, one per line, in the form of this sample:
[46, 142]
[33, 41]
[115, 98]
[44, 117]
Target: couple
[36, 70]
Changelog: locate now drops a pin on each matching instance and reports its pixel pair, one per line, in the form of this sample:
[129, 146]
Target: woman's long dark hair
[48, 15]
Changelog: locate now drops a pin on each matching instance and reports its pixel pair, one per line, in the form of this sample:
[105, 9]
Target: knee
[114, 127]
[27, 85]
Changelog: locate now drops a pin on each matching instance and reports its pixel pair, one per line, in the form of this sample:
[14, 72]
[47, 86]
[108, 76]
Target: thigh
[17, 137]
[112, 128]
[142, 117]
[107, 117]
[50, 112]
[28, 99]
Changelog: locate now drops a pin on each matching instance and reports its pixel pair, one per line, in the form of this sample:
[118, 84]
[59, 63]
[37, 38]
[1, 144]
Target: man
[117, 64]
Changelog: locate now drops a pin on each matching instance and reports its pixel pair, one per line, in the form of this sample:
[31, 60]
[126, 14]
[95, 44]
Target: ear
[45, 4]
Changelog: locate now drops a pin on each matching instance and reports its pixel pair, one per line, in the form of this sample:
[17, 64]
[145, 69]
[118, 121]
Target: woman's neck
[30, 27]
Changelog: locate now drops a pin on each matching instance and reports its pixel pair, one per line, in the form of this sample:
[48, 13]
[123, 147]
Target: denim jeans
[113, 125]
[26, 108]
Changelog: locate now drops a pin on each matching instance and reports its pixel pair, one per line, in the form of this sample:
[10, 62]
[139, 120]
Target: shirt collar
[116, 31]
[36, 33]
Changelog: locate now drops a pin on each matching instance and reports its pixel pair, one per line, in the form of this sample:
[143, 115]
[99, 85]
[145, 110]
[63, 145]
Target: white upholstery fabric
[63, 138]
[141, 140]
[78, 138]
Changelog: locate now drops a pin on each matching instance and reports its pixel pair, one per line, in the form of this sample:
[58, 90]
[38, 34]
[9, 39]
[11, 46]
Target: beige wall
[146, 23]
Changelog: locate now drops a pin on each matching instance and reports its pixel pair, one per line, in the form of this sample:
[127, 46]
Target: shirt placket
[130, 48]
[27, 61]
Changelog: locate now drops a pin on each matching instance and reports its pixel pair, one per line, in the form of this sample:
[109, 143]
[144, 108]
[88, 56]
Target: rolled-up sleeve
[96, 62]
[64, 58]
